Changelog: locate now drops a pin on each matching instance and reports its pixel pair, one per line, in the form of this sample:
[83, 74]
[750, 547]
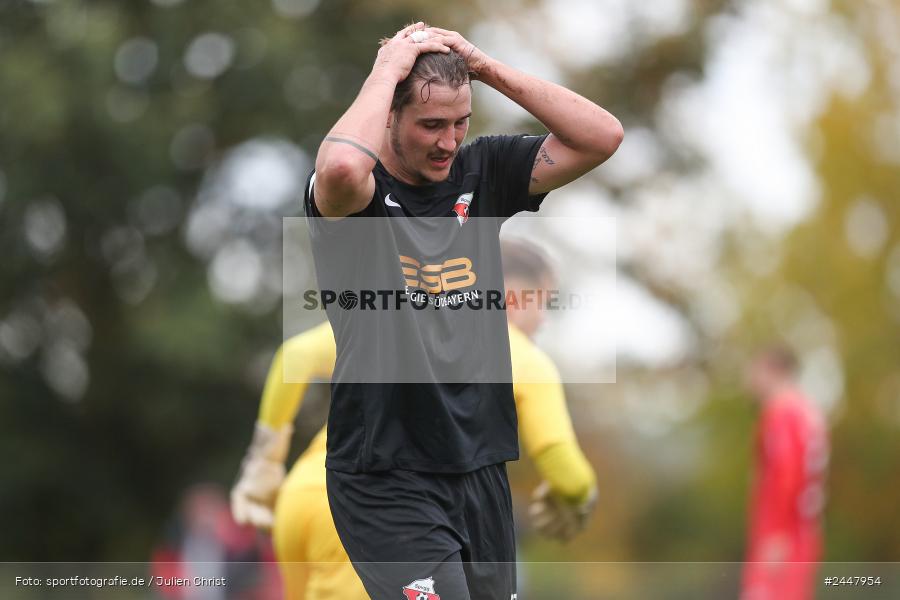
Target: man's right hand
[262, 473]
[397, 55]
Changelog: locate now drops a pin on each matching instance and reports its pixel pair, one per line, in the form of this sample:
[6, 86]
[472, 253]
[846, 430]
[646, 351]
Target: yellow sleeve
[566, 469]
[545, 426]
[540, 400]
[299, 361]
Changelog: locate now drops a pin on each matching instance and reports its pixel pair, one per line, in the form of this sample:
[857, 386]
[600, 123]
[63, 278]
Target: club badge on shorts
[421, 589]
[461, 208]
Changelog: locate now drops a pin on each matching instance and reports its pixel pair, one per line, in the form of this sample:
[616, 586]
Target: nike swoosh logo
[389, 202]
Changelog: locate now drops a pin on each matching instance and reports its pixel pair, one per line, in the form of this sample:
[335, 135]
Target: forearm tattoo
[359, 147]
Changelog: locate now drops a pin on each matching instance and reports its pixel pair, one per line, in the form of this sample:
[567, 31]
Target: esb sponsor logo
[421, 589]
[450, 275]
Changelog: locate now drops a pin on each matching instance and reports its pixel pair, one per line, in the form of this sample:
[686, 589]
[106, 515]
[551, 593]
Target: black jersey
[422, 379]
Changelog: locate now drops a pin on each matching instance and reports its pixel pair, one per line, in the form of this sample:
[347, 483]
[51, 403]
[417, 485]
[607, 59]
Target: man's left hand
[476, 60]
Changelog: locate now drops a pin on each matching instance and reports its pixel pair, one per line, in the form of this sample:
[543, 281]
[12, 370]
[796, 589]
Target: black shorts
[423, 536]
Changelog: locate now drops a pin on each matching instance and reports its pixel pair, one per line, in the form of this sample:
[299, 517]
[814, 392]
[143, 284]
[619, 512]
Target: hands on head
[398, 54]
[475, 58]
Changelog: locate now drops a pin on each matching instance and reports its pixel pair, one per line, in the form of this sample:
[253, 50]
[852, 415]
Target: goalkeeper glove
[557, 518]
[262, 473]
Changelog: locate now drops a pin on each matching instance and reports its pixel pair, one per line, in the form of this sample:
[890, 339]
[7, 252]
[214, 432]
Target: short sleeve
[507, 161]
[313, 216]
[319, 225]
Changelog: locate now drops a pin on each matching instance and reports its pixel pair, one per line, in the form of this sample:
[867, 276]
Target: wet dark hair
[526, 260]
[448, 69]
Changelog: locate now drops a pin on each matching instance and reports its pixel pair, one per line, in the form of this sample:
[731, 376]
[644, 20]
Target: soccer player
[788, 493]
[313, 563]
[422, 417]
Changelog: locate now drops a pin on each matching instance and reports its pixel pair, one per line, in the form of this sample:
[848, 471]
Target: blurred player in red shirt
[785, 540]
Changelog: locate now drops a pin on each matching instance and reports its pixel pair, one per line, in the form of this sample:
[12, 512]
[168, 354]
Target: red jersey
[787, 500]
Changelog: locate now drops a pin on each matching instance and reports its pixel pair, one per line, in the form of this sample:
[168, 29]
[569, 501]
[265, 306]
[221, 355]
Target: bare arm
[582, 134]
[344, 182]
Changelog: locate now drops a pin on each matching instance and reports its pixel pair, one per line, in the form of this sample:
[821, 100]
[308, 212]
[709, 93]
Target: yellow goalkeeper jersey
[544, 421]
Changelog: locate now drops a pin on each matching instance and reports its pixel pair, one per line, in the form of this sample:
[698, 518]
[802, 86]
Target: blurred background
[150, 150]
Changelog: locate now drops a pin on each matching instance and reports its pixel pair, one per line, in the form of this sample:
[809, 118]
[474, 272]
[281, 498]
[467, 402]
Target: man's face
[426, 135]
[526, 299]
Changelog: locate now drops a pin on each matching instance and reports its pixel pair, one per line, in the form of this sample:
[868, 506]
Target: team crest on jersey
[461, 208]
[420, 589]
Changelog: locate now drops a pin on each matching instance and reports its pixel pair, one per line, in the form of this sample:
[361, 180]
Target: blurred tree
[846, 259]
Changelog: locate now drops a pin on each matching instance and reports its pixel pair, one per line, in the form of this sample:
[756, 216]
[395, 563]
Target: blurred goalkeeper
[312, 559]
